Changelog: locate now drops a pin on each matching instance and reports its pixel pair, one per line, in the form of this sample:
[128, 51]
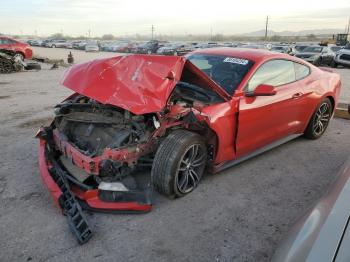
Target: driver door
[265, 119]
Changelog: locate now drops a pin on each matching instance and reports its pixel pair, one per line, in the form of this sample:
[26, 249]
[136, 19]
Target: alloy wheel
[190, 169]
[322, 118]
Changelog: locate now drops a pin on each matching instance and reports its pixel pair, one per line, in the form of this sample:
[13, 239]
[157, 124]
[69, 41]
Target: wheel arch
[331, 98]
[21, 53]
[209, 135]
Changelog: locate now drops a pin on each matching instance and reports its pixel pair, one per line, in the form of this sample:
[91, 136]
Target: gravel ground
[240, 214]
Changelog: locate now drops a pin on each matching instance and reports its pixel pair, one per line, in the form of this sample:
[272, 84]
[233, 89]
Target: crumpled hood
[137, 83]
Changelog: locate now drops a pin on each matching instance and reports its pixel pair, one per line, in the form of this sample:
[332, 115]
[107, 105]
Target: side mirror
[262, 90]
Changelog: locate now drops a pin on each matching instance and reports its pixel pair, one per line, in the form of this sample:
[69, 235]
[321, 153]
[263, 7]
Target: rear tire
[319, 120]
[179, 163]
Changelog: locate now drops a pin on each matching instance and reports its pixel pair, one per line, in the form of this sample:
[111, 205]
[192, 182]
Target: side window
[301, 71]
[275, 73]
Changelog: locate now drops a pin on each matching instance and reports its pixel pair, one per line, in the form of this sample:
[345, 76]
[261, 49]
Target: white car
[92, 47]
[342, 57]
[59, 43]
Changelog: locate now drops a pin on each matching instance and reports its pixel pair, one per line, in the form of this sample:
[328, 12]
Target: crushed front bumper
[66, 190]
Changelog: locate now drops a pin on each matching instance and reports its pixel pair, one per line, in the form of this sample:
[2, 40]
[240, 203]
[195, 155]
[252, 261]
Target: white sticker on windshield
[236, 61]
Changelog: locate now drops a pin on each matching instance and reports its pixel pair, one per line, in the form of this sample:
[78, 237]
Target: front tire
[179, 163]
[319, 120]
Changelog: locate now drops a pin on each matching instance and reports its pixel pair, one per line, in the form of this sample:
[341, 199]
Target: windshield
[277, 48]
[300, 47]
[335, 48]
[228, 72]
[313, 49]
[176, 45]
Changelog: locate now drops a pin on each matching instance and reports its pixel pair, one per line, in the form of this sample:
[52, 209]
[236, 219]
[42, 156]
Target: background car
[120, 46]
[175, 49]
[59, 43]
[323, 233]
[297, 48]
[149, 47]
[92, 47]
[281, 49]
[79, 44]
[23, 50]
[342, 57]
[312, 54]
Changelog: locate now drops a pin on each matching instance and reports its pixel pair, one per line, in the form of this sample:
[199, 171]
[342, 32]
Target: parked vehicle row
[331, 55]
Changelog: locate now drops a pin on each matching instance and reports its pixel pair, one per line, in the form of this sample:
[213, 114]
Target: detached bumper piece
[71, 208]
[73, 196]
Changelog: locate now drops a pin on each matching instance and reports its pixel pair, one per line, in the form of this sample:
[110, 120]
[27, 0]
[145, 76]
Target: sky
[123, 17]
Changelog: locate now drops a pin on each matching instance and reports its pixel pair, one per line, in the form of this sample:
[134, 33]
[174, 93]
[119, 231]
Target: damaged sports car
[175, 117]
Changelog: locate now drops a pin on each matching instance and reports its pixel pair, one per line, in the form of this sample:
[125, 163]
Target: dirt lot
[239, 215]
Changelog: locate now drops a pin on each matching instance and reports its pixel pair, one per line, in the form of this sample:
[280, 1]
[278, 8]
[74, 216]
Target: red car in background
[23, 50]
[177, 116]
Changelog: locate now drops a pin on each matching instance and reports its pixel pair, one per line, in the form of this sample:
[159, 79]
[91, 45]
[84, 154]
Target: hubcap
[322, 117]
[190, 169]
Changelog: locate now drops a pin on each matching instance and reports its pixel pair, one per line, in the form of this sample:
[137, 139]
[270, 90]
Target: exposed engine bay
[94, 128]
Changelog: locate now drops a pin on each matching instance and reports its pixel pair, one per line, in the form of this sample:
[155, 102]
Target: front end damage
[97, 155]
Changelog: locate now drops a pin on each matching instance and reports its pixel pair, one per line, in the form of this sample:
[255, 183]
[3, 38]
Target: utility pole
[89, 33]
[266, 26]
[348, 27]
[152, 29]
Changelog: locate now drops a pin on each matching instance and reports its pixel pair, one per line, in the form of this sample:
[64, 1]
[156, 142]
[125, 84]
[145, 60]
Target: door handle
[297, 95]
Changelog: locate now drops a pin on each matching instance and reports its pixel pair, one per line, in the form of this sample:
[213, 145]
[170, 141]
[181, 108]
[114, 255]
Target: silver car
[323, 234]
[342, 57]
[92, 47]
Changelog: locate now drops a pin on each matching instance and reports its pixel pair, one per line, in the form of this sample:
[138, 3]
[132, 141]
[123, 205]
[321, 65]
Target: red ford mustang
[177, 116]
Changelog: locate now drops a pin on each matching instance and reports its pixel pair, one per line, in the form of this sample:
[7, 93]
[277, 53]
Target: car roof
[246, 53]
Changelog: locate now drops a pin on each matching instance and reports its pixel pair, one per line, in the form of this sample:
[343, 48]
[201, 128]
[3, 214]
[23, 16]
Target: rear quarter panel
[318, 85]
